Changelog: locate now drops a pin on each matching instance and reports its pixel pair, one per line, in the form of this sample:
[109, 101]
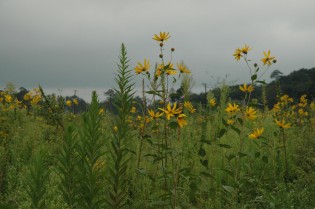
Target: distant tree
[276, 74]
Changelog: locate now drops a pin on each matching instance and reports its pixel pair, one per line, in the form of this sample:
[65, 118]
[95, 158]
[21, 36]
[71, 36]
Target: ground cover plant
[160, 151]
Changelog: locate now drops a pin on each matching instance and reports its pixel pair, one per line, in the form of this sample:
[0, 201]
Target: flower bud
[161, 44]
[255, 65]
[274, 61]
[172, 49]
[161, 56]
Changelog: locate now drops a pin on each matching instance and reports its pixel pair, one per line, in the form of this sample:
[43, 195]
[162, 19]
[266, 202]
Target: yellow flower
[302, 112]
[230, 121]
[133, 110]
[155, 115]
[285, 98]
[158, 70]
[170, 70]
[8, 98]
[27, 97]
[238, 54]
[68, 103]
[189, 107]
[267, 59]
[303, 99]
[181, 121]
[170, 112]
[257, 133]
[139, 118]
[282, 124]
[182, 68]
[101, 111]
[250, 113]
[75, 101]
[142, 68]
[162, 37]
[212, 102]
[245, 49]
[115, 128]
[232, 108]
[247, 89]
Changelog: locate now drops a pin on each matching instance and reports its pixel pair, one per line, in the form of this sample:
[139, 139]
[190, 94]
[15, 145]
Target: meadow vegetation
[158, 152]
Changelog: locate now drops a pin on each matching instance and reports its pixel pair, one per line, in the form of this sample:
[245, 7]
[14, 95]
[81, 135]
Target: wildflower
[26, 97]
[182, 68]
[75, 101]
[267, 59]
[163, 36]
[133, 110]
[36, 99]
[230, 121]
[170, 72]
[282, 124]
[257, 133]
[302, 112]
[303, 99]
[212, 102]
[101, 111]
[181, 121]
[139, 118]
[238, 54]
[155, 115]
[189, 107]
[286, 98]
[245, 49]
[8, 98]
[170, 69]
[142, 68]
[250, 113]
[68, 103]
[170, 112]
[115, 128]
[232, 108]
[247, 89]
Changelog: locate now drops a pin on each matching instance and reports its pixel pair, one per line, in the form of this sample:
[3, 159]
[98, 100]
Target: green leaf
[202, 152]
[206, 174]
[229, 189]
[225, 146]
[173, 125]
[241, 154]
[265, 159]
[205, 141]
[229, 172]
[204, 163]
[257, 154]
[238, 131]
[221, 133]
[230, 157]
[254, 77]
[262, 82]
[224, 123]
[240, 121]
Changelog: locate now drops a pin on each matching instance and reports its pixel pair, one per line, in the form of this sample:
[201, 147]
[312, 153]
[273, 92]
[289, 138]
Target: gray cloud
[75, 43]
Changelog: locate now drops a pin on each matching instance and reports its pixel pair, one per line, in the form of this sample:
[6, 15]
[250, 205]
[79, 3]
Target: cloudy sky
[74, 44]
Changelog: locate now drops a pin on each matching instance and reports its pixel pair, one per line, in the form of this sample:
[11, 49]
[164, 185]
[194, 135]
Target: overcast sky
[74, 44]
